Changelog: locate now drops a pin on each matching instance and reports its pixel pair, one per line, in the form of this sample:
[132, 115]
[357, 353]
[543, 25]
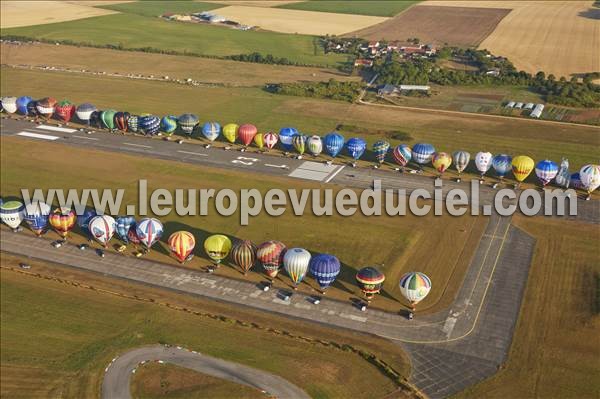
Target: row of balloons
[272, 255]
[421, 154]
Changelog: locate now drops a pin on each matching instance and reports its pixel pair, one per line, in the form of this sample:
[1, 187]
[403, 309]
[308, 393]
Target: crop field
[313, 116]
[555, 347]
[206, 70]
[26, 13]
[298, 21]
[151, 8]
[455, 26]
[133, 31]
[370, 7]
[558, 37]
[57, 340]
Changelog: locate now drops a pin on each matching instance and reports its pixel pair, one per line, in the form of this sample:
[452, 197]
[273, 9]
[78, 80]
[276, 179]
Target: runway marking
[137, 145]
[313, 171]
[193, 153]
[277, 166]
[38, 136]
[56, 129]
[353, 317]
[87, 138]
[335, 173]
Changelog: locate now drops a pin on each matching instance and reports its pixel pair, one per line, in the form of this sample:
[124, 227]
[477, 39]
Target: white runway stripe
[38, 136]
[87, 138]
[56, 129]
[137, 145]
[335, 173]
[193, 153]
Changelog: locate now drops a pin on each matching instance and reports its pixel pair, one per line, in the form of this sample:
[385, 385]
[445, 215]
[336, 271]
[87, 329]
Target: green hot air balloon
[108, 119]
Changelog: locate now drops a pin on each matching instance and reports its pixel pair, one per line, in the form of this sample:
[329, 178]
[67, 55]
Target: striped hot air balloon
[124, 226]
[402, 154]
[182, 245]
[270, 255]
[12, 213]
[422, 153]
[246, 133]
[84, 112]
[36, 216]
[102, 228]
[243, 254]
[314, 144]
[149, 231]
[299, 142]
[23, 105]
[380, 149]
[286, 135]
[414, 286]
[270, 140]
[45, 107]
[62, 220]
[133, 123]
[356, 147]
[122, 120]
[217, 247]
[334, 142]
[230, 132]
[211, 130]
[295, 262]
[325, 268]
[64, 110]
[461, 161]
[9, 104]
[546, 171]
[168, 124]
[187, 123]
[149, 124]
[370, 281]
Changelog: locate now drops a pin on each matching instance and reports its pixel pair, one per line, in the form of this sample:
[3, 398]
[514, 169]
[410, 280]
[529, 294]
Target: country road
[117, 379]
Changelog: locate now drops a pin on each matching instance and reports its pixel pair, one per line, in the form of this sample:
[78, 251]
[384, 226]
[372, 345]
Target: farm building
[393, 89]
[510, 104]
[363, 62]
[519, 105]
[529, 106]
[537, 111]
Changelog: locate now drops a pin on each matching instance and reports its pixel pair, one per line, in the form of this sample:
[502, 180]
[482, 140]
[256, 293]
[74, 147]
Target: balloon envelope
[285, 137]
[356, 147]
[168, 124]
[243, 254]
[12, 213]
[149, 231]
[563, 178]
[211, 130]
[502, 164]
[295, 262]
[415, 286]
[108, 118]
[181, 244]
[314, 144]
[217, 247]
[270, 255]
[299, 142]
[461, 160]
[230, 132]
[246, 133]
[270, 140]
[83, 221]
[65, 110]
[187, 123]
[84, 112]
[370, 280]
[590, 177]
[522, 166]
[62, 220]
[122, 121]
[124, 225]
[380, 149]
[441, 161]
[45, 106]
[149, 124]
[334, 142]
[23, 104]
[259, 140]
[422, 153]
[9, 104]
[102, 228]
[402, 154]
[483, 162]
[546, 171]
[36, 216]
[133, 123]
[325, 268]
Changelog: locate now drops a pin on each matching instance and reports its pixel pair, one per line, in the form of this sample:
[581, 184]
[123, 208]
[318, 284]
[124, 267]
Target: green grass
[372, 7]
[135, 31]
[157, 8]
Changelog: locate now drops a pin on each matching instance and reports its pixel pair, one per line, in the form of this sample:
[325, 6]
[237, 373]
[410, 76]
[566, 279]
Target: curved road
[117, 380]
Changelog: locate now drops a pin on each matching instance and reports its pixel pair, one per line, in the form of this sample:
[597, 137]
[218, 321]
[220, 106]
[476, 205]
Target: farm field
[134, 31]
[357, 244]
[206, 70]
[298, 21]
[154, 380]
[570, 32]
[555, 347]
[439, 25]
[156, 8]
[370, 7]
[26, 13]
[580, 144]
[69, 340]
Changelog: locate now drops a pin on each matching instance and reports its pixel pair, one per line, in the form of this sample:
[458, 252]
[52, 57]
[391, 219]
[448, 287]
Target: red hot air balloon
[65, 110]
[246, 134]
[182, 245]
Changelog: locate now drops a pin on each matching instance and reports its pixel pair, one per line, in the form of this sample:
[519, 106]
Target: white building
[511, 104]
[537, 111]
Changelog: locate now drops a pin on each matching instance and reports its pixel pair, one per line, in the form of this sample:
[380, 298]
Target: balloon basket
[242, 149]
[207, 146]
[589, 197]
[227, 148]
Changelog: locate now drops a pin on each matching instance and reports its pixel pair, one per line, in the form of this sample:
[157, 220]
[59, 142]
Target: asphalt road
[117, 379]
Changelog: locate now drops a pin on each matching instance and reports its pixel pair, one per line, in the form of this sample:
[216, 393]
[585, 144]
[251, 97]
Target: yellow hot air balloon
[522, 166]
[259, 140]
[217, 247]
[230, 132]
[441, 161]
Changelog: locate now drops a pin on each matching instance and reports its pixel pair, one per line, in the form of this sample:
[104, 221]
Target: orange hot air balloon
[182, 244]
[62, 220]
[246, 134]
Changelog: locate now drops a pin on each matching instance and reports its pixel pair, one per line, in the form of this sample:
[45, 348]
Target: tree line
[332, 89]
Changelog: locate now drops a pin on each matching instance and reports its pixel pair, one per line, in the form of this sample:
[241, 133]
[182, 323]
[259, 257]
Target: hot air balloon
[380, 149]
[483, 163]
[149, 231]
[168, 124]
[230, 132]
[546, 170]
[299, 142]
[65, 110]
[461, 161]
[270, 140]
[259, 140]
[45, 106]
[84, 112]
[369, 281]
[334, 142]
[182, 245]
[12, 213]
[133, 123]
[295, 262]
[217, 247]
[23, 104]
[83, 221]
[414, 286]
[102, 228]
[108, 119]
[563, 178]
[187, 123]
[422, 153]
[124, 226]
[356, 148]
[243, 254]
[36, 216]
[132, 235]
[149, 124]
[402, 155]
[62, 220]
[590, 178]
[325, 268]
[502, 164]
[32, 108]
[9, 104]
[270, 255]
[246, 133]
[576, 181]
[314, 144]
[522, 166]
[95, 120]
[285, 137]
[211, 130]
[122, 120]
[441, 161]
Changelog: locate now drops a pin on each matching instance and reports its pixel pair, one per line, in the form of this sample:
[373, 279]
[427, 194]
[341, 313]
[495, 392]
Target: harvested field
[558, 37]
[254, 3]
[26, 13]
[297, 21]
[381, 8]
[206, 70]
[456, 26]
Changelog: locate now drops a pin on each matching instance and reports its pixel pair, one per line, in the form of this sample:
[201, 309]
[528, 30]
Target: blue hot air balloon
[32, 108]
[149, 124]
[168, 124]
[211, 130]
[380, 149]
[334, 142]
[124, 224]
[356, 147]
[22, 103]
[83, 221]
[84, 112]
[286, 137]
[36, 216]
[325, 268]
[502, 164]
[187, 123]
[422, 153]
[546, 170]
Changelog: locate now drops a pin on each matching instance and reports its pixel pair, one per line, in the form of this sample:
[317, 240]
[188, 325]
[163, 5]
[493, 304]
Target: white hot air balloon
[483, 162]
[102, 228]
[414, 286]
[12, 213]
[296, 262]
